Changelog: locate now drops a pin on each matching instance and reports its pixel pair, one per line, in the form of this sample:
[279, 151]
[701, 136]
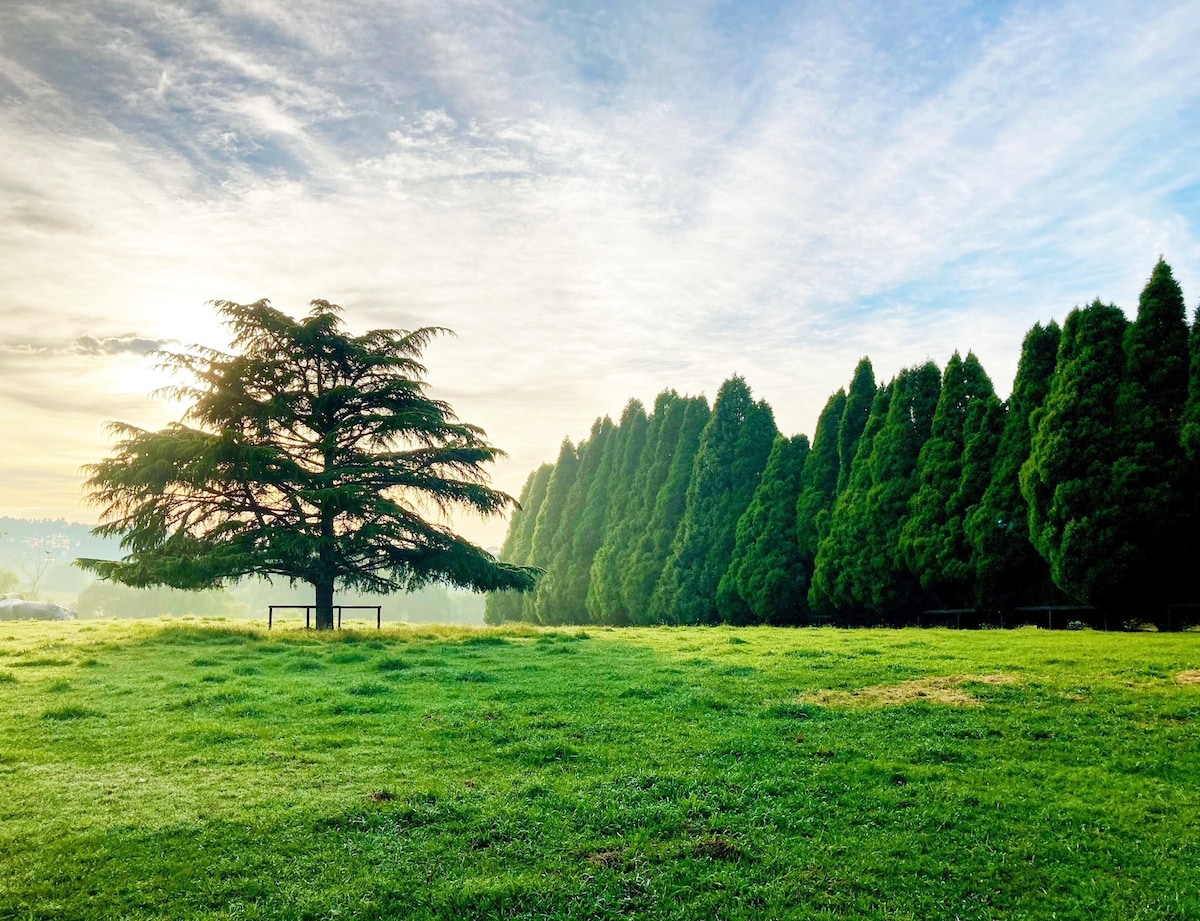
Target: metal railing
[309, 608]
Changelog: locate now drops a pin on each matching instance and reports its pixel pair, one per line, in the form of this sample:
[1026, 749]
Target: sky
[602, 200]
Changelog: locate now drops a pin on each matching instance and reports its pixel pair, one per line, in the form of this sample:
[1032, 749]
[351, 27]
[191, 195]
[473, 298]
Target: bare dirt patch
[1192, 676]
[946, 689]
[605, 859]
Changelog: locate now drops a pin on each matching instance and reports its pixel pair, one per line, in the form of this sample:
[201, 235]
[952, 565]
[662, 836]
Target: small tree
[313, 455]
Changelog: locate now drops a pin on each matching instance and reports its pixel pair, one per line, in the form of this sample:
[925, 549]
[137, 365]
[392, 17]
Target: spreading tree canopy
[306, 453]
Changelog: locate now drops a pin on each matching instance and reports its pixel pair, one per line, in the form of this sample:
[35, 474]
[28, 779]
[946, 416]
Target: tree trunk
[325, 604]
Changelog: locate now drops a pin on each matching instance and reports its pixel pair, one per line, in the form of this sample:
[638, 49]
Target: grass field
[167, 770]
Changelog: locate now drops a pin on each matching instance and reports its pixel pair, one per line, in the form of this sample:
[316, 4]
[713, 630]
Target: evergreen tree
[550, 519]
[767, 581]
[1008, 571]
[733, 452]
[870, 572]
[518, 544]
[606, 600]
[932, 541]
[1068, 477]
[557, 601]
[307, 453]
[835, 588]
[1148, 476]
[675, 462]
[1190, 430]
[620, 501]
[859, 402]
[818, 487]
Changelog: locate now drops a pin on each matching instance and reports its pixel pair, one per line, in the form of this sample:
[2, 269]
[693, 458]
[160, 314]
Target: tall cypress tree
[550, 519]
[1148, 476]
[555, 602]
[518, 544]
[653, 545]
[859, 402]
[1190, 430]
[733, 452]
[766, 581]
[871, 574]
[818, 485]
[1008, 571]
[619, 502]
[606, 599]
[932, 541]
[1067, 479]
[836, 586]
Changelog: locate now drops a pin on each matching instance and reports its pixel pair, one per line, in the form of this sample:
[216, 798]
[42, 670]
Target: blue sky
[602, 200]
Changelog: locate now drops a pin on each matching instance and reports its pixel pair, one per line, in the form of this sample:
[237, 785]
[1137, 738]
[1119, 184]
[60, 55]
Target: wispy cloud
[602, 201]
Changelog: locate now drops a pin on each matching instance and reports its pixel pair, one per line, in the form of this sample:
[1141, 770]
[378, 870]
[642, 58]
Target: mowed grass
[160, 770]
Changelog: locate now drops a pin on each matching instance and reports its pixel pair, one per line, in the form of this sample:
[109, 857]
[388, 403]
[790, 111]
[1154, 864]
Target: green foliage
[551, 525]
[932, 541]
[1068, 479]
[818, 482]
[309, 455]
[865, 571]
[733, 452]
[8, 581]
[1148, 477]
[556, 600]
[604, 599]
[674, 461]
[835, 587]
[767, 581]
[518, 544]
[1008, 570]
[1190, 429]
[859, 402]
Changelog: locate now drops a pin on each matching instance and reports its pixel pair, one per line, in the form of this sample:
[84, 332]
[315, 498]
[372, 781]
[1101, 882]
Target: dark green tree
[818, 487]
[558, 599]
[859, 401]
[733, 452]
[1068, 478]
[311, 455]
[767, 581]
[550, 517]
[1149, 488]
[665, 499]
[932, 541]
[871, 575]
[518, 544]
[836, 588]
[604, 600]
[1190, 430]
[1008, 571]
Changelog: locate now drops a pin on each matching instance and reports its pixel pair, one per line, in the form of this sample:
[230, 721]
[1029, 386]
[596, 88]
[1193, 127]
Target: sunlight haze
[602, 201]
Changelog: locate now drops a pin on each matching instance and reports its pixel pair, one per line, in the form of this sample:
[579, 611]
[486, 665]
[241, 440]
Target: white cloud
[602, 204]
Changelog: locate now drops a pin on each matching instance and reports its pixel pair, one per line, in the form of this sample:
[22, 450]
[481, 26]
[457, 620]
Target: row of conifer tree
[926, 491]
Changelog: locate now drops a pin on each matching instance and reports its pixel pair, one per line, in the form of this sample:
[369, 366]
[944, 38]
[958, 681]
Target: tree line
[924, 491]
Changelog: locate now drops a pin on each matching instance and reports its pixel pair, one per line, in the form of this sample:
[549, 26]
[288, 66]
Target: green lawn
[158, 770]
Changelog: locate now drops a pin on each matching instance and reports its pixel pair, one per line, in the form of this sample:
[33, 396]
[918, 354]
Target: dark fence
[1051, 617]
[309, 608]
